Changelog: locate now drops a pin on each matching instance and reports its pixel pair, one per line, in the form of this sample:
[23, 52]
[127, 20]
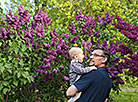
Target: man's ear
[105, 59]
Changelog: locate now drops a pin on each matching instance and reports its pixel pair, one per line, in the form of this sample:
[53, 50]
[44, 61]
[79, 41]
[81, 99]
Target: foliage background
[18, 76]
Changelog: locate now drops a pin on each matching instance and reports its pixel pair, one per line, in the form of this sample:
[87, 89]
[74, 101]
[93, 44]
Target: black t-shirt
[95, 86]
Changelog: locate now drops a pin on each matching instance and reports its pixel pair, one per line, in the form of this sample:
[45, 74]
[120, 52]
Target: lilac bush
[34, 57]
[123, 52]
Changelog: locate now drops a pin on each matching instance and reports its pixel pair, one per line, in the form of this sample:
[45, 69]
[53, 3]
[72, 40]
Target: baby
[77, 68]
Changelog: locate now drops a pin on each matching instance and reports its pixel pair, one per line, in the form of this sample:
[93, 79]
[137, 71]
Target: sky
[2, 4]
[8, 1]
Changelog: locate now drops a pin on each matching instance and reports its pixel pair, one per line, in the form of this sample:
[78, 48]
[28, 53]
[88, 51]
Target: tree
[62, 11]
[1, 10]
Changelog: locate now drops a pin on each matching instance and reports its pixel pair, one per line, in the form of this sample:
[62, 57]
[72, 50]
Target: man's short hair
[106, 53]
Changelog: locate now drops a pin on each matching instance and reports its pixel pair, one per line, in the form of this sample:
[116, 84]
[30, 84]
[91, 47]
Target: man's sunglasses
[97, 55]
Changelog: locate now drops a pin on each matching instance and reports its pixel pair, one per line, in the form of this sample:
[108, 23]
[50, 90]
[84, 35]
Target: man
[95, 85]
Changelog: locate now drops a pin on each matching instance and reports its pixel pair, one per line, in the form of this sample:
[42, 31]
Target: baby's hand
[93, 67]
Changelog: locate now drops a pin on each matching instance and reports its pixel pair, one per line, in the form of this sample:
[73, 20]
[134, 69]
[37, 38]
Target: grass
[126, 97]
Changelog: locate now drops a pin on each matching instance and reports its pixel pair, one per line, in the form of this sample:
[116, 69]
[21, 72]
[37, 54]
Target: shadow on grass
[126, 97]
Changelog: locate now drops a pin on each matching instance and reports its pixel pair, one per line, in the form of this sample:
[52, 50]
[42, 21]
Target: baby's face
[80, 56]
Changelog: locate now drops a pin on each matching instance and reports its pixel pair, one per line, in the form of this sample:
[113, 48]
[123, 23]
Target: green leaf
[19, 74]
[4, 59]
[14, 44]
[8, 65]
[0, 43]
[25, 74]
[30, 48]
[5, 90]
[5, 83]
[15, 82]
[16, 50]
[9, 70]
[10, 58]
[21, 54]
[0, 96]
[24, 48]
[1, 67]
[23, 81]
[1, 87]
[21, 62]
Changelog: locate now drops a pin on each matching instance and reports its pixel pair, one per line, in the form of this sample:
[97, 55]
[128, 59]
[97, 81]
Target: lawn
[126, 97]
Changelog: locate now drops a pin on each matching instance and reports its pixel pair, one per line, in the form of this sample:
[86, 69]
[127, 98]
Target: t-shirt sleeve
[108, 93]
[84, 81]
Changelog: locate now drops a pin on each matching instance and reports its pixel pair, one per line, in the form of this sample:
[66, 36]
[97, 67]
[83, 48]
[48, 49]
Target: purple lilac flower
[40, 31]
[33, 84]
[59, 51]
[47, 66]
[89, 44]
[65, 78]
[72, 30]
[97, 34]
[5, 33]
[129, 30]
[84, 30]
[13, 20]
[46, 20]
[85, 58]
[90, 22]
[124, 49]
[54, 71]
[57, 60]
[52, 52]
[42, 71]
[53, 43]
[51, 77]
[117, 83]
[79, 16]
[46, 73]
[52, 35]
[100, 20]
[47, 46]
[73, 39]
[41, 95]
[24, 14]
[35, 76]
[116, 59]
[45, 60]
[113, 36]
[38, 18]
[61, 67]
[104, 43]
[60, 41]
[90, 32]
[107, 18]
[18, 59]
[84, 44]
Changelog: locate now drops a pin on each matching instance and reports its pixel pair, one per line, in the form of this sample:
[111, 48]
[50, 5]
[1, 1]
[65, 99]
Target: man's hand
[106, 100]
[91, 63]
[71, 91]
[93, 68]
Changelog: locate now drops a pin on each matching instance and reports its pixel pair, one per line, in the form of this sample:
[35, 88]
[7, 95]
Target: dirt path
[129, 89]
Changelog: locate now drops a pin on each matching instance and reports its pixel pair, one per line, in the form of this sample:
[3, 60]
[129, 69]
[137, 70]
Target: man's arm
[71, 91]
[106, 100]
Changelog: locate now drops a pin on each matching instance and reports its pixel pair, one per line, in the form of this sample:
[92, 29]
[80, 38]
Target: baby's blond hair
[74, 51]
